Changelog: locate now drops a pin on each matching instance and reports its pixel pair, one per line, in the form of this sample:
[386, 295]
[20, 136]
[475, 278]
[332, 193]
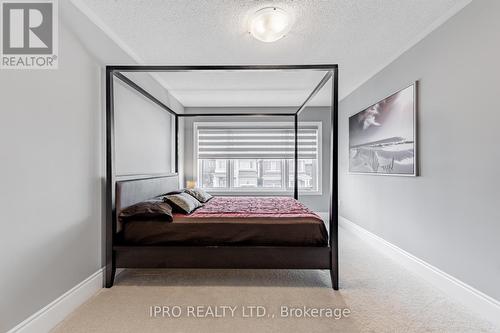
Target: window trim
[267, 191]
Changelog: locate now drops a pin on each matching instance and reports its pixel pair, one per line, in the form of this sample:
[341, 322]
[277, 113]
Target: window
[213, 173]
[257, 157]
[307, 169]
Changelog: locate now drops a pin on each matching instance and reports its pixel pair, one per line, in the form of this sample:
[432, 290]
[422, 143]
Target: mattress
[271, 221]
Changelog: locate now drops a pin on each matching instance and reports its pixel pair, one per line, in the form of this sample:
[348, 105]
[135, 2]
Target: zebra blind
[261, 141]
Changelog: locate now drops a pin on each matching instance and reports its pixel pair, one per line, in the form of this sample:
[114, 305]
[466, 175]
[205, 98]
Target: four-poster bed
[124, 192]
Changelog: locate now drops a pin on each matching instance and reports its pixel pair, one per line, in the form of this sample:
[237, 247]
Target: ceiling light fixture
[270, 24]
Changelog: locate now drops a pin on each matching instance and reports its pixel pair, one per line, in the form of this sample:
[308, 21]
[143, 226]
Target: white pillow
[199, 194]
[183, 201]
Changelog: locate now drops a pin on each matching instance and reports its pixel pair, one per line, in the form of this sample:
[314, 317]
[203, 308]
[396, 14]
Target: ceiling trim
[436, 24]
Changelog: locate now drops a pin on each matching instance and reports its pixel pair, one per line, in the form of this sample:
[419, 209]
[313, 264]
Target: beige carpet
[382, 297]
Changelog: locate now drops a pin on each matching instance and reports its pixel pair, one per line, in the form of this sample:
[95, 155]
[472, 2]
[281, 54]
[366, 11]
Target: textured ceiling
[361, 36]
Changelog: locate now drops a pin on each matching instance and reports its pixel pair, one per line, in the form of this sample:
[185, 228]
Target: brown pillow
[149, 209]
[183, 202]
[199, 194]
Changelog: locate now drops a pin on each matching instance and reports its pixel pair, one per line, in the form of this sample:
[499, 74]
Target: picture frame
[383, 136]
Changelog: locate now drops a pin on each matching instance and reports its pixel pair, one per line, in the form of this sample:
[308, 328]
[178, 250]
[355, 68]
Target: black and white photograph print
[382, 137]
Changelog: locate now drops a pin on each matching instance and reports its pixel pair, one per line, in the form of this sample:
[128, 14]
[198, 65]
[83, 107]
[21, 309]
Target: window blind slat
[256, 142]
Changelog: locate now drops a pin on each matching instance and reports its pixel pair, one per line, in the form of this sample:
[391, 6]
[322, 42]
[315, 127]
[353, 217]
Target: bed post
[176, 143]
[296, 158]
[110, 179]
[334, 223]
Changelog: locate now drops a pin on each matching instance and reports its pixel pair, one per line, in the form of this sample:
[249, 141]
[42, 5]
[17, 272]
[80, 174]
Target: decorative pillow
[149, 209]
[183, 201]
[171, 193]
[199, 194]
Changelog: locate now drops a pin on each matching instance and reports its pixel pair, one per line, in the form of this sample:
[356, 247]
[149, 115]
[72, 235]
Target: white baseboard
[52, 314]
[478, 302]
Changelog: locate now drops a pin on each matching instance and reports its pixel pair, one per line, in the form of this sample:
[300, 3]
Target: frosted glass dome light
[270, 24]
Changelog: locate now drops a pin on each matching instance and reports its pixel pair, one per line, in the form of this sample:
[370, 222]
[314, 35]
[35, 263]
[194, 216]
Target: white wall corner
[48, 317]
[478, 302]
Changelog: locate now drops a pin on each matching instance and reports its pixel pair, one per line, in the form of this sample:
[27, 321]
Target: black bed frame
[251, 257]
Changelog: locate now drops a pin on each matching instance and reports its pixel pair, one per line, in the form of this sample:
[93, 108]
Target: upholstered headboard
[132, 191]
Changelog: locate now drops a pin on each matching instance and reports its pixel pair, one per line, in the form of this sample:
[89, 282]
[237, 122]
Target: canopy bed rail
[123, 193]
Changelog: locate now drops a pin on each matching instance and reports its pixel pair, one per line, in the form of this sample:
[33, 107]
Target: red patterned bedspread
[255, 207]
[255, 221]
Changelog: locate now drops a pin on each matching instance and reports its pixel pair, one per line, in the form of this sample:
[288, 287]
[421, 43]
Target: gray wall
[50, 193]
[318, 203]
[448, 216]
[143, 134]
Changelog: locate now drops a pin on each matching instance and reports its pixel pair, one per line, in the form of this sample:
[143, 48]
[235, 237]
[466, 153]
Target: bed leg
[334, 275]
[110, 274]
